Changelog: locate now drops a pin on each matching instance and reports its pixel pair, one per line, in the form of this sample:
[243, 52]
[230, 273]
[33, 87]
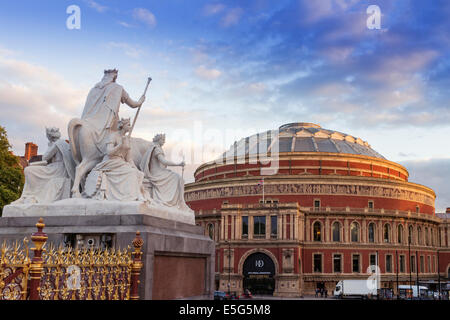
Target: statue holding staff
[100, 116]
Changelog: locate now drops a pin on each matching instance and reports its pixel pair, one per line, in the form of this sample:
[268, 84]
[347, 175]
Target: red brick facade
[370, 199]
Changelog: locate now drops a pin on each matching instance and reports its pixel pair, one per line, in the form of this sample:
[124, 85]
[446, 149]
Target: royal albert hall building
[328, 209]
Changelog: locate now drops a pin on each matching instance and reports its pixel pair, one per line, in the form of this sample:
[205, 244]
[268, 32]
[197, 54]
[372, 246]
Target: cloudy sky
[223, 70]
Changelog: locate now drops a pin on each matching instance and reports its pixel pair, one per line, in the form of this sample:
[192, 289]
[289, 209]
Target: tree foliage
[11, 173]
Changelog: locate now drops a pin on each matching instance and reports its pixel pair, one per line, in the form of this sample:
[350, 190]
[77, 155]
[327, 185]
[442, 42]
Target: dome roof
[302, 137]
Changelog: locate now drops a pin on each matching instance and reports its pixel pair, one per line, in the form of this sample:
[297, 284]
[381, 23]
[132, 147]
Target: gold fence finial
[36, 267]
[136, 266]
[138, 242]
[39, 238]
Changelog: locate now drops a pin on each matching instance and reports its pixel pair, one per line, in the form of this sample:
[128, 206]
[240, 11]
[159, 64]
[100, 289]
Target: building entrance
[259, 274]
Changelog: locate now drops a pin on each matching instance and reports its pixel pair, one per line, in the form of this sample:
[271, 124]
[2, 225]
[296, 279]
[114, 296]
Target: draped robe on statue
[168, 186]
[51, 182]
[101, 110]
[116, 178]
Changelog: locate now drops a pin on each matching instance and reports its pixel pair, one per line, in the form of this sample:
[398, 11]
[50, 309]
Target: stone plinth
[90, 207]
[178, 259]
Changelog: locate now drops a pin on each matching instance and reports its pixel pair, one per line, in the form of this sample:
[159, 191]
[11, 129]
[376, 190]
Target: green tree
[11, 173]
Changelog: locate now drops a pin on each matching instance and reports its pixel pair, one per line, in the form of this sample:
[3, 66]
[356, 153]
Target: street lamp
[439, 274]
[409, 257]
[229, 267]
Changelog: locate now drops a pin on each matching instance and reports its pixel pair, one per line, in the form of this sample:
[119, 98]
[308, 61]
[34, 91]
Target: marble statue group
[102, 161]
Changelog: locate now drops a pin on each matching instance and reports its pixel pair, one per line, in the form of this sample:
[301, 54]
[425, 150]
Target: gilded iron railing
[69, 274]
[14, 271]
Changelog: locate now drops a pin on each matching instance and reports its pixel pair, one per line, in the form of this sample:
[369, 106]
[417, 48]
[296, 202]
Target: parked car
[220, 295]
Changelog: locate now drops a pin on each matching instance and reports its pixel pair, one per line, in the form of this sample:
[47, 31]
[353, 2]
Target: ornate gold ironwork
[104, 274]
[14, 270]
[64, 273]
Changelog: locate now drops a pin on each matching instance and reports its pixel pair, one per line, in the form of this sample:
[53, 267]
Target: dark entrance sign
[259, 264]
[259, 272]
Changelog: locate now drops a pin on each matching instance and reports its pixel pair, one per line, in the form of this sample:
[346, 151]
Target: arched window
[410, 234]
[427, 237]
[419, 235]
[371, 232]
[211, 231]
[336, 231]
[400, 233]
[387, 233]
[317, 231]
[354, 232]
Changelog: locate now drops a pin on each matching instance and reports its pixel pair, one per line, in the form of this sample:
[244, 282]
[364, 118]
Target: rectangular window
[422, 264]
[429, 264]
[273, 226]
[317, 263]
[402, 264]
[373, 260]
[337, 262]
[316, 204]
[244, 226]
[388, 263]
[355, 263]
[370, 205]
[259, 226]
[412, 264]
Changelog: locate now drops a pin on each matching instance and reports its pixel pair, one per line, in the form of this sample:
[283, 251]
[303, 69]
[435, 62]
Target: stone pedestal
[178, 259]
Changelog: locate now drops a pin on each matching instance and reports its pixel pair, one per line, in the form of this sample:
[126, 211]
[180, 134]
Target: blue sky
[240, 67]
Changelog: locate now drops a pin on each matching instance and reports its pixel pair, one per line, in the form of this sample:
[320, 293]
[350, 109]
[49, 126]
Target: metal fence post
[36, 267]
[136, 266]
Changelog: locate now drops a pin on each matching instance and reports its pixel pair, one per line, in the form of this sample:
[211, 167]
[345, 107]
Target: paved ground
[263, 297]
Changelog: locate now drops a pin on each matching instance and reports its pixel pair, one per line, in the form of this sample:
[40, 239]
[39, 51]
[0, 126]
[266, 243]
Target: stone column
[295, 226]
[364, 230]
[291, 226]
[216, 231]
[301, 228]
[232, 218]
[250, 227]
[346, 235]
[280, 229]
[394, 232]
[222, 227]
[308, 229]
[326, 230]
[238, 226]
